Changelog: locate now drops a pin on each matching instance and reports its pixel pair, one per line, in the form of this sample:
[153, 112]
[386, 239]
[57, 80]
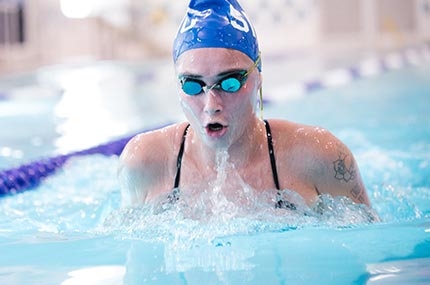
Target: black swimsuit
[174, 196]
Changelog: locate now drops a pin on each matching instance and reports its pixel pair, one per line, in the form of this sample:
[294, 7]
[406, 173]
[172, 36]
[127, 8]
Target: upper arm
[137, 169]
[338, 173]
[130, 170]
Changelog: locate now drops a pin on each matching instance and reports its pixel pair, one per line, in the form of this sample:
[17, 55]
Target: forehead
[211, 61]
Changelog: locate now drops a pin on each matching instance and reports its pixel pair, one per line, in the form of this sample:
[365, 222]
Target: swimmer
[218, 68]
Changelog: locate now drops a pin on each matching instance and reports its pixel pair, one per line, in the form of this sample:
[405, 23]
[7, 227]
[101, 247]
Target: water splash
[84, 197]
[221, 206]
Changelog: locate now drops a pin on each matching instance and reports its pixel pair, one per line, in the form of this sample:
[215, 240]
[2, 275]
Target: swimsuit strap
[280, 202]
[272, 154]
[179, 160]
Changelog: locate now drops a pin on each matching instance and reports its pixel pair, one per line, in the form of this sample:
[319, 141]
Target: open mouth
[215, 127]
[216, 130]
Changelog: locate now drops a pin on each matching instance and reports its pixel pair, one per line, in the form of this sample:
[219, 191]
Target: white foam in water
[85, 195]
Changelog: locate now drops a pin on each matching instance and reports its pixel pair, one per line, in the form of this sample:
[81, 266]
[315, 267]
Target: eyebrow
[218, 76]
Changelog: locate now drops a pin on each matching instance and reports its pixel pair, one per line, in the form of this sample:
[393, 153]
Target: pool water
[71, 229]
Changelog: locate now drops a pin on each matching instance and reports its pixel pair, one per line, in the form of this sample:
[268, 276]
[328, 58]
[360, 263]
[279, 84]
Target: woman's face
[219, 118]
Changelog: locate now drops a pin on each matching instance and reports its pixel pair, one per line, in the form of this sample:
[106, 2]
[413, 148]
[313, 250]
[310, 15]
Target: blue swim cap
[219, 24]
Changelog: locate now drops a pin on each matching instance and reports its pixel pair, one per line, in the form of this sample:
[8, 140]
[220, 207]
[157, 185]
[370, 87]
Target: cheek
[246, 100]
[190, 106]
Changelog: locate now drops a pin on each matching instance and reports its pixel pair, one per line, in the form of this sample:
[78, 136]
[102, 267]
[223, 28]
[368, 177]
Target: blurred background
[35, 33]
[76, 73]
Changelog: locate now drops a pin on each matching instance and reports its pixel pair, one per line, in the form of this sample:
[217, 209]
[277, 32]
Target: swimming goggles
[230, 83]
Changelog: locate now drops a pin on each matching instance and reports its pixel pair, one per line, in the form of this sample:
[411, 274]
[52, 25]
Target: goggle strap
[261, 103]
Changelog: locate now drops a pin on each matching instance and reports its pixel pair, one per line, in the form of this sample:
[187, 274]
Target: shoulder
[147, 162]
[151, 147]
[309, 138]
[310, 147]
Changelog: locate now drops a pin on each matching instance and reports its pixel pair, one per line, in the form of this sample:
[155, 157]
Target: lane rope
[28, 176]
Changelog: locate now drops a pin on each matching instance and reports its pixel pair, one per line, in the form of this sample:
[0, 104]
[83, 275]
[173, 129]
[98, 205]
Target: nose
[213, 102]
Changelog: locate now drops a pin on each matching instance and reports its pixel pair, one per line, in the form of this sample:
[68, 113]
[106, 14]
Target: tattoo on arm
[343, 172]
[357, 193]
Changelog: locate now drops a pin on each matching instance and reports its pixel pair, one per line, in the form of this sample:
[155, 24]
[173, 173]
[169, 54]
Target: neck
[239, 153]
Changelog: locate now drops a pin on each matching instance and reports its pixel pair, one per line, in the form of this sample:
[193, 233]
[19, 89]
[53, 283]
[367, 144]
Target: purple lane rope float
[29, 176]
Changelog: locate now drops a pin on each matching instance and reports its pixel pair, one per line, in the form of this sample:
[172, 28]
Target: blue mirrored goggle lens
[191, 87]
[230, 84]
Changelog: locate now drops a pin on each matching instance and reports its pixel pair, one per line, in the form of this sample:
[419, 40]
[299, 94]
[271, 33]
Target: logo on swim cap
[216, 23]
